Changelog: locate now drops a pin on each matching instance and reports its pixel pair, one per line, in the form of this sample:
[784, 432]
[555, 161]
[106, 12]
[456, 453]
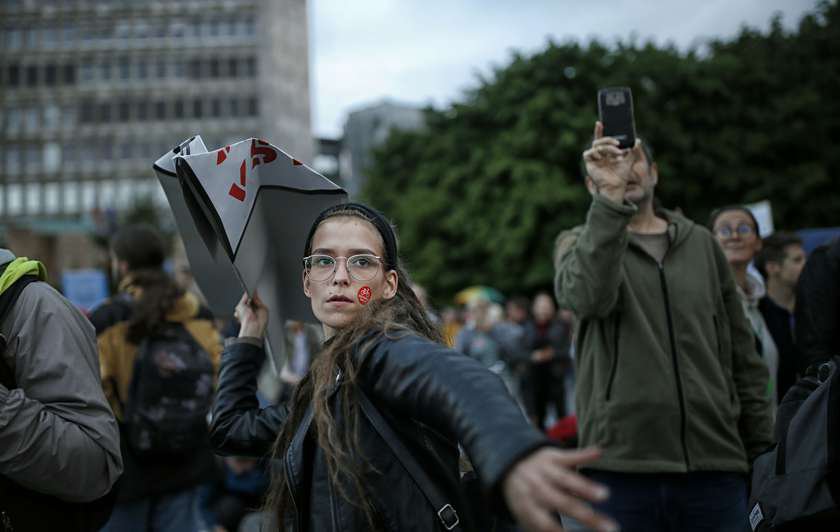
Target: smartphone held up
[615, 111]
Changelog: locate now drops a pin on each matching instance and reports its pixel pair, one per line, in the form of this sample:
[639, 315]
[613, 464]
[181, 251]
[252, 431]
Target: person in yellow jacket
[152, 323]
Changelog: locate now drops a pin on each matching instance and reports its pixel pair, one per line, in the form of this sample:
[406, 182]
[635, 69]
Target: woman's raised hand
[545, 483]
[252, 315]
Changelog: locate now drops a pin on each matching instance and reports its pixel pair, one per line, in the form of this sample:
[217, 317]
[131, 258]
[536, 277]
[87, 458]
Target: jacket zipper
[675, 362]
[614, 369]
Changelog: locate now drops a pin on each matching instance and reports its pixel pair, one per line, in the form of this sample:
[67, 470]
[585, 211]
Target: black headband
[373, 216]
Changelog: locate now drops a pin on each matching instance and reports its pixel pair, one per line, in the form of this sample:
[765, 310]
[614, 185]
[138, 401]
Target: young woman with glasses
[384, 363]
[736, 229]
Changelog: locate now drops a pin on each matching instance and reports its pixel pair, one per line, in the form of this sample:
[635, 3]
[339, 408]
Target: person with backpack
[158, 359]
[370, 439]
[59, 442]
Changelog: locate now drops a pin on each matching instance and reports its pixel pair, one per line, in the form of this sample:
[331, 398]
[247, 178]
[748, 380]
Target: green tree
[480, 194]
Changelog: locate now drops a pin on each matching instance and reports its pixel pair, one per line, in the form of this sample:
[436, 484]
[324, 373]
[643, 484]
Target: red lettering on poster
[261, 153]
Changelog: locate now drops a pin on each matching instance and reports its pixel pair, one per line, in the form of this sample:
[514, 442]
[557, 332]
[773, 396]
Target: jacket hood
[679, 227]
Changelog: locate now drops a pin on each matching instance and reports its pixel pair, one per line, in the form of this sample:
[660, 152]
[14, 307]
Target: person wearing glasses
[370, 438]
[668, 381]
[737, 231]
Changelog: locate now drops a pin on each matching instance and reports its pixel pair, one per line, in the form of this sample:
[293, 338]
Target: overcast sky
[429, 51]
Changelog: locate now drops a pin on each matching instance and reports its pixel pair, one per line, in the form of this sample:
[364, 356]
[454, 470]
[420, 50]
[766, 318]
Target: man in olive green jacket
[668, 380]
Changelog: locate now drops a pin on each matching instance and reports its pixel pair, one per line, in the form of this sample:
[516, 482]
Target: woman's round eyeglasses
[743, 230]
[360, 267]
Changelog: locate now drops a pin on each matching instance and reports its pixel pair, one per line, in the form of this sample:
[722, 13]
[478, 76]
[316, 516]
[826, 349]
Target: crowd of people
[666, 347]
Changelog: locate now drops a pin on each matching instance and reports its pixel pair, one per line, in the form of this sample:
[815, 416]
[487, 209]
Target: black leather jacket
[432, 396]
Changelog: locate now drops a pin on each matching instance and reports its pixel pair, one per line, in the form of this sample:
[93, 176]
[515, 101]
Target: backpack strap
[445, 512]
[7, 300]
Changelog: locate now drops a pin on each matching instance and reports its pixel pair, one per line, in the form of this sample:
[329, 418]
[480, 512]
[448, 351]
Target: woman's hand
[545, 483]
[252, 315]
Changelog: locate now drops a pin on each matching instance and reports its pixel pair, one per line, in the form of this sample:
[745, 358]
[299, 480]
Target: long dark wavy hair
[339, 442]
[143, 251]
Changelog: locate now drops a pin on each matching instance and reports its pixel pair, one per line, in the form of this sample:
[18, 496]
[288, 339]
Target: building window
[180, 69]
[160, 110]
[214, 68]
[123, 110]
[178, 111]
[105, 70]
[194, 69]
[86, 71]
[31, 75]
[52, 157]
[52, 116]
[142, 111]
[104, 112]
[233, 67]
[198, 108]
[87, 112]
[160, 69]
[13, 157]
[14, 39]
[251, 67]
[14, 120]
[13, 77]
[125, 68]
[30, 119]
[69, 74]
[233, 107]
[52, 203]
[253, 108]
[50, 75]
[142, 69]
[215, 107]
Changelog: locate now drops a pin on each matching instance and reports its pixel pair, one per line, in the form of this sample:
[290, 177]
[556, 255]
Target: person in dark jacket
[780, 261]
[159, 492]
[59, 442]
[337, 471]
[818, 306]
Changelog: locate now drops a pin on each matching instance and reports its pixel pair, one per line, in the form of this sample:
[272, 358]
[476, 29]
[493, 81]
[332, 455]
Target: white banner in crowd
[212, 270]
[259, 203]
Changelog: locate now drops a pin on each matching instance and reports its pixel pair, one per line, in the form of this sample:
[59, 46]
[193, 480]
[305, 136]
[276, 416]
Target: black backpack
[171, 389]
[796, 484]
[24, 510]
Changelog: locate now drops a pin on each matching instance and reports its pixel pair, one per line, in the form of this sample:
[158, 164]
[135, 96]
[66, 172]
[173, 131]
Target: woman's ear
[392, 281]
[305, 280]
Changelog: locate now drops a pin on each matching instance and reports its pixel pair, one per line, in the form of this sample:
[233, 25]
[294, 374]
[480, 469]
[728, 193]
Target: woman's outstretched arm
[456, 394]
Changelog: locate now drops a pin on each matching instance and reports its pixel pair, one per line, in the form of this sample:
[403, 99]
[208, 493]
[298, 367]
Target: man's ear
[392, 282]
[590, 186]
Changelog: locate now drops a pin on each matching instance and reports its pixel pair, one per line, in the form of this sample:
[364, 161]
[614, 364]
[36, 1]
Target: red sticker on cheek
[364, 295]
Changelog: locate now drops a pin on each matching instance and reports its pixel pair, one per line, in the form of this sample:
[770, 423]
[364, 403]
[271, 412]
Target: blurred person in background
[668, 380]
[780, 261]
[482, 339]
[158, 362]
[452, 322]
[547, 340]
[737, 231]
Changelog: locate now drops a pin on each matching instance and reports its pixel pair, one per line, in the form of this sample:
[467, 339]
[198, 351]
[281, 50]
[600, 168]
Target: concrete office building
[367, 128]
[93, 91]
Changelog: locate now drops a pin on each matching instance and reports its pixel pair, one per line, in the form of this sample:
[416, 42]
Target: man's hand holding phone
[608, 166]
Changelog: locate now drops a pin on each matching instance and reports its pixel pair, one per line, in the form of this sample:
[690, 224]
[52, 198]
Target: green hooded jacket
[668, 378]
